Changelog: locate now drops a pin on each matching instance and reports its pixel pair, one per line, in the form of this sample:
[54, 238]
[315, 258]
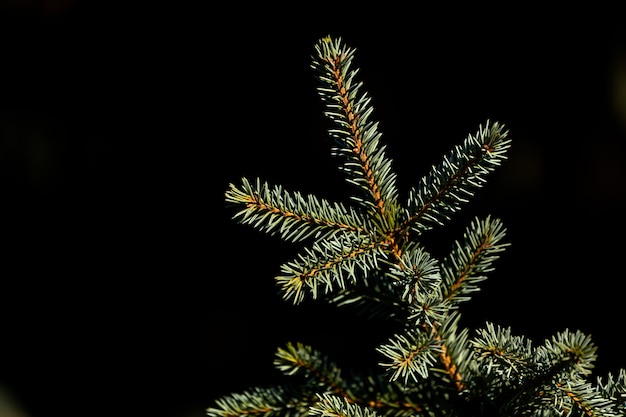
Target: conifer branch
[417, 273]
[292, 216]
[454, 180]
[331, 264]
[502, 356]
[333, 406]
[581, 398]
[357, 139]
[370, 257]
[430, 305]
[472, 258]
[302, 359]
[389, 398]
[411, 355]
[573, 351]
[614, 388]
[456, 360]
[284, 401]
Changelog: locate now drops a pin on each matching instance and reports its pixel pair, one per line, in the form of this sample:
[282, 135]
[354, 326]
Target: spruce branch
[310, 363]
[501, 355]
[614, 388]
[411, 355]
[370, 256]
[271, 401]
[332, 264]
[456, 364]
[293, 216]
[416, 272]
[334, 406]
[357, 139]
[455, 179]
[472, 258]
[389, 398]
[581, 398]
[573, 352]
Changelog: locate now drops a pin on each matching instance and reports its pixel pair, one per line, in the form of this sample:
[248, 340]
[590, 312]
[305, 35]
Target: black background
[126, 288]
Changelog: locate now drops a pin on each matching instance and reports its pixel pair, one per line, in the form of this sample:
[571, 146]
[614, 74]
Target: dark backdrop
[127, 290]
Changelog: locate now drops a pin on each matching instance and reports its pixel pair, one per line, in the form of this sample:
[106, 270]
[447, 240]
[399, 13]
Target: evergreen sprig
[264, 401]
[312, 364]
[334, 406]
[369, 255]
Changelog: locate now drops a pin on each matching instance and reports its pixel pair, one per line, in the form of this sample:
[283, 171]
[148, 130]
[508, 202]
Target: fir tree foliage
[367, 253]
